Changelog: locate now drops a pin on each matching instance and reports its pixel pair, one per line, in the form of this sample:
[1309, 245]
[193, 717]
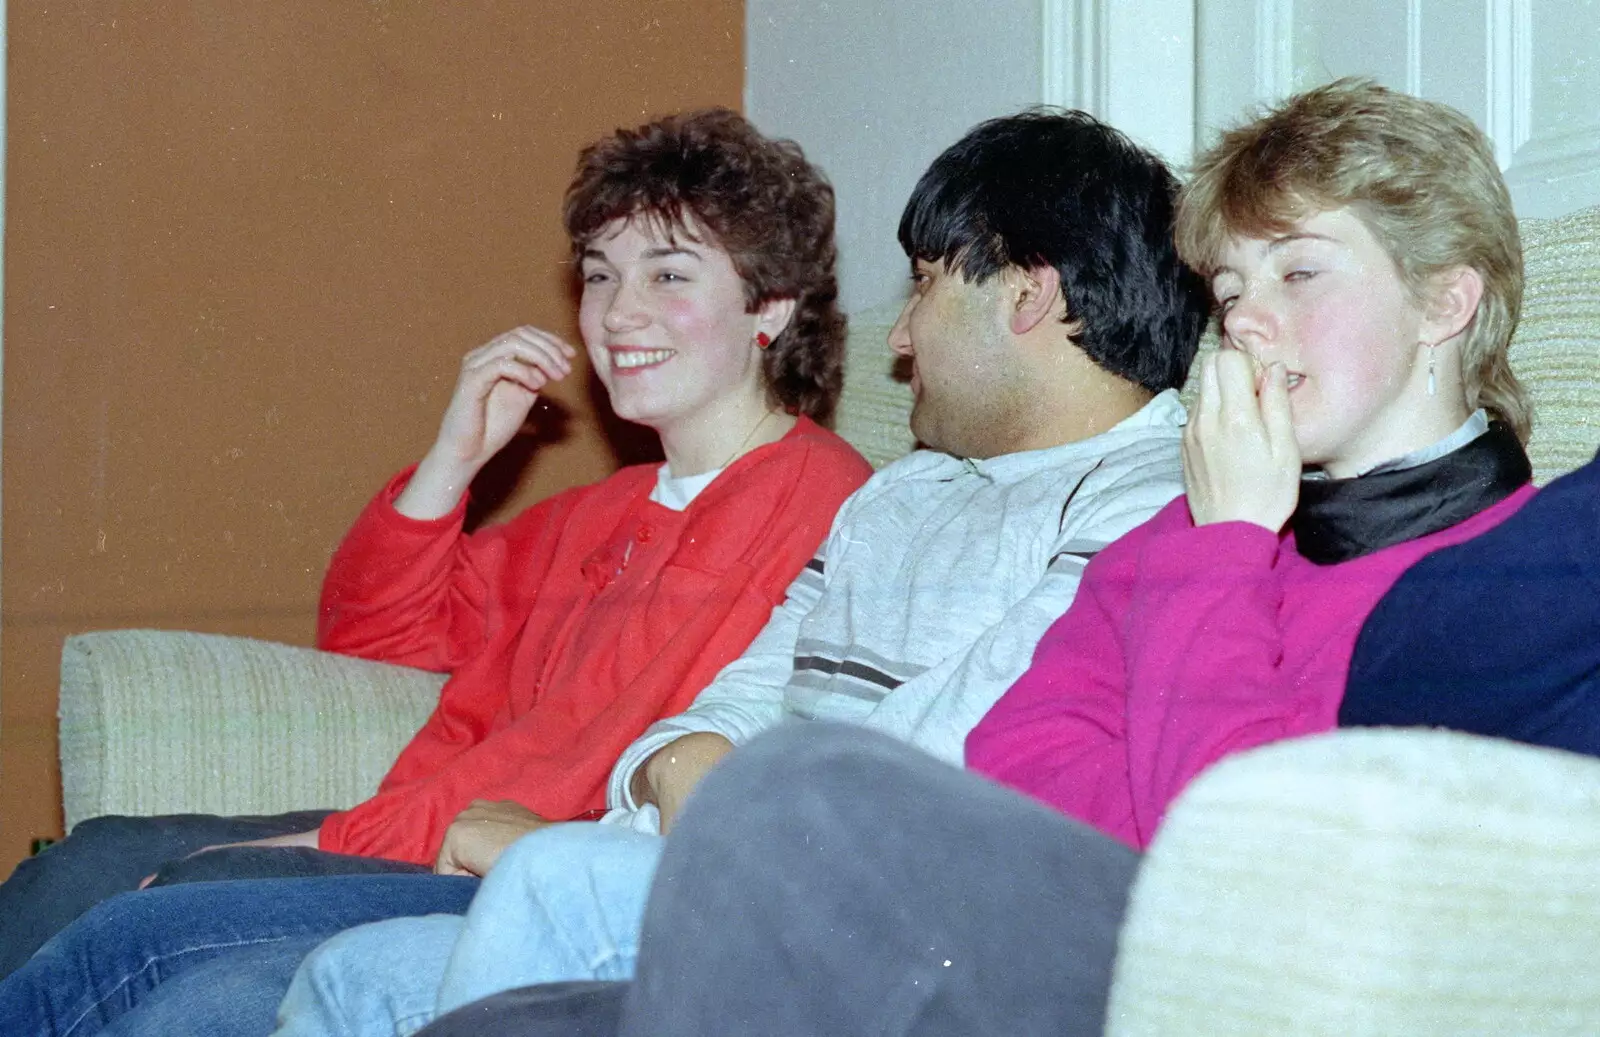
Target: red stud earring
[763, 340]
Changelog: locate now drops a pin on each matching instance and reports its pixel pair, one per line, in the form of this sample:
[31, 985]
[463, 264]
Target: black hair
[1060, 188]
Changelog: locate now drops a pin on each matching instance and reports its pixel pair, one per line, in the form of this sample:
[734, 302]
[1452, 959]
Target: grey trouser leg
[830, 880]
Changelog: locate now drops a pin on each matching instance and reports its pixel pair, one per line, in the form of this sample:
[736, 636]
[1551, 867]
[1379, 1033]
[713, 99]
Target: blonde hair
[1418, 174]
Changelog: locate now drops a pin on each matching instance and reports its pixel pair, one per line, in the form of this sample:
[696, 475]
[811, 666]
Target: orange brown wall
[246, 245]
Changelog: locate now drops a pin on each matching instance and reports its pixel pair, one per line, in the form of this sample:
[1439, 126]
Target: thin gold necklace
[748, 436]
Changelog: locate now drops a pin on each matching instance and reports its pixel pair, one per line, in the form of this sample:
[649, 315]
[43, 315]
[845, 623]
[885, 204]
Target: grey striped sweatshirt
[931, 591]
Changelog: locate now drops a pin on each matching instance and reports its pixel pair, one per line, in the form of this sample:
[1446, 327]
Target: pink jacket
[1186, 644]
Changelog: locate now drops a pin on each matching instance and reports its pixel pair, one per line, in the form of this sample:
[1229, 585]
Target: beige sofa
[157, 722]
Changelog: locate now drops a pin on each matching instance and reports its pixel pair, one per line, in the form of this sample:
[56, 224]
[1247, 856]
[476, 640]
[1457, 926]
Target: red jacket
[568, 630]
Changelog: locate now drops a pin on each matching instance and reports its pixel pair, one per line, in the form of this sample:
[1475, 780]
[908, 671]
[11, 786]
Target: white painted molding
[1131, 63]
[1558, 156]
[1274, 50]
[1414, 47]
[1055, 43]
[1073, 58]
[1510, 77]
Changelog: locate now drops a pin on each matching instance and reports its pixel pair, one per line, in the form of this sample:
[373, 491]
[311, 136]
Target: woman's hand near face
[498, 385]
[1240, 459]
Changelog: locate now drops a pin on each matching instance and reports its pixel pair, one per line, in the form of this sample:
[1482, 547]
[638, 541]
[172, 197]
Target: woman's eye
[1225, 304]
[595, 277]
[1299, 275]
[671, 277]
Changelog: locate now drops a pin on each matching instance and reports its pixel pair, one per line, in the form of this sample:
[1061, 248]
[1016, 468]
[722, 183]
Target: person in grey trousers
[862, 887]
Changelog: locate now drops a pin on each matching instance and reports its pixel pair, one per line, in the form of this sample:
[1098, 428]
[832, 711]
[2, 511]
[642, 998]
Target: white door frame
[1102, 56]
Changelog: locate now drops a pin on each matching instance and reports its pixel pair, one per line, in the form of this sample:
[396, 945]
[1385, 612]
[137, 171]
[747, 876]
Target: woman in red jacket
[706, 258]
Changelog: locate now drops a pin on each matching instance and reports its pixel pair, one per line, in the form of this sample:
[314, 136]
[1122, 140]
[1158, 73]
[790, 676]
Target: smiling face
[1326, 301]
[663, 319]
[968, 390]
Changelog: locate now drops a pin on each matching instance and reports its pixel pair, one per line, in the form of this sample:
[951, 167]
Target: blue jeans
[562, 904]
[207, 958]
[105, 856]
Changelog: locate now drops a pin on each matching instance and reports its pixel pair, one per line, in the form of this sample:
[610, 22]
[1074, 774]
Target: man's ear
[1037, 296]
[774, 315]
[1452, 303]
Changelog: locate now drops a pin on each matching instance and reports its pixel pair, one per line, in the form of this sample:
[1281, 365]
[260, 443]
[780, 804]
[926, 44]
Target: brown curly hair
[760, 201]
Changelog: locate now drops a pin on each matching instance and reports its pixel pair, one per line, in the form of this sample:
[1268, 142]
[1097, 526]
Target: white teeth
[639, 357]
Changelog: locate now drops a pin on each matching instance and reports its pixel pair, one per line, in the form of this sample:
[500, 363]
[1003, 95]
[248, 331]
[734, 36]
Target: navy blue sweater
[1499, 635]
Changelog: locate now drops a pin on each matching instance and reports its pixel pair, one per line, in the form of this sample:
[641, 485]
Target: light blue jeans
[563, 903]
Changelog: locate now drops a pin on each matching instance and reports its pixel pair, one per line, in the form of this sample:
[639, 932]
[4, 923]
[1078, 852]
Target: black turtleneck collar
[1341, 519]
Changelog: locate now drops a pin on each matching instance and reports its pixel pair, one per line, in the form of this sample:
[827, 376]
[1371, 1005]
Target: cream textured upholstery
[1556, 351]
[875, 408]
[1422, 883]
[157, 722]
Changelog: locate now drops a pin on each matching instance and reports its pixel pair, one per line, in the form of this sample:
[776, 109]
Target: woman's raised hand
[498, 385]
[1240, 459]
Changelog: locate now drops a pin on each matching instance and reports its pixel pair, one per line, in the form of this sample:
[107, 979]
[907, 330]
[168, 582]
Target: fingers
[445, 863]
[1240, 459]
[1277, 416]
[499, 383]
[1209, 403]
[1236, 384]
[526, 355]
[1193, 461]
[532, 345]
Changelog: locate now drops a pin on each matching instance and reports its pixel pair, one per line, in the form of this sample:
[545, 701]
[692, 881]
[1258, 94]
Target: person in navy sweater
[1499, 635]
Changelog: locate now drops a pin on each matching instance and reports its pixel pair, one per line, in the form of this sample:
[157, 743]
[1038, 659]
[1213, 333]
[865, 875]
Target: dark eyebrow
[665, 252]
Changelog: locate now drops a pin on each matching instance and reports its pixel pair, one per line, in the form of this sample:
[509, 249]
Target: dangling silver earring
[1433, 383]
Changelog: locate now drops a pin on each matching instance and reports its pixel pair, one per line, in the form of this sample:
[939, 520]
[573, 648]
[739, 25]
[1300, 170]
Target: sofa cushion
[1370, 882]
[875, 408]
[1556, 351]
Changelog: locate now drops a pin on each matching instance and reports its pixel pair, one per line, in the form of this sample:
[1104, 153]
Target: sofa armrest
[156, 722]
[1370, 882]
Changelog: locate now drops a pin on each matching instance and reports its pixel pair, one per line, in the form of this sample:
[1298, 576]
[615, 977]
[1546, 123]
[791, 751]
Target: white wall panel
[1527, 71]
[1150, 51]
[1130, 62]
[1337, 37]
[1556, 163]
[873, 91]
[1244, 56]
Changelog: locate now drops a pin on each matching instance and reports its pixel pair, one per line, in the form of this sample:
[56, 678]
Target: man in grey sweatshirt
[1048, 327]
